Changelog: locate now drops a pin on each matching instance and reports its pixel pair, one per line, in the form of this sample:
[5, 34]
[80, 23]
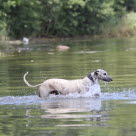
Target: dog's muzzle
[108, 79]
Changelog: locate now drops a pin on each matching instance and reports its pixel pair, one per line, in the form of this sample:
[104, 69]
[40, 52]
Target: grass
[125, 27]
[3, 35]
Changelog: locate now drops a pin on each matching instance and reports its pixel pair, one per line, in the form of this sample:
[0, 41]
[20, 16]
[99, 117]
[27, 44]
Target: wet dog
[63, 86]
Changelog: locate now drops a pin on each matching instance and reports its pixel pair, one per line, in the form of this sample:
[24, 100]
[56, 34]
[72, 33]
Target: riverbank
[47, 40]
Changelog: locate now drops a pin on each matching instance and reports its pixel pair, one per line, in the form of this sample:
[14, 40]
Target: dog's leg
[43, 92]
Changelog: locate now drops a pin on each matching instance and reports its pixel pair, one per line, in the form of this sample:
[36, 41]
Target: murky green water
[23, 113]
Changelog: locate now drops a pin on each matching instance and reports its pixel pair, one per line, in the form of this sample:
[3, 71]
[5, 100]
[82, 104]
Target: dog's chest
[94, 89]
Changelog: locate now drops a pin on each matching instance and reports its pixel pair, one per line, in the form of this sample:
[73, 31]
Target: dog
[64, 87]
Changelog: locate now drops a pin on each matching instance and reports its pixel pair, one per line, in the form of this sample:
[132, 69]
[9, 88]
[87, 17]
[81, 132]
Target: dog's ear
[96, 72]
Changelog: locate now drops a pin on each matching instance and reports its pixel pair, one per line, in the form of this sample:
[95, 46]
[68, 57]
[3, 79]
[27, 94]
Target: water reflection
[72, 105]
[78, 112]
[77, 109]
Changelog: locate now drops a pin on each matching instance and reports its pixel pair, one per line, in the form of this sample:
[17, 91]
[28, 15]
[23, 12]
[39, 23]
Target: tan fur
[69, 86]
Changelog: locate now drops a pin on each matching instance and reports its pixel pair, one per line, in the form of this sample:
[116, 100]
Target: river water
[23, 113]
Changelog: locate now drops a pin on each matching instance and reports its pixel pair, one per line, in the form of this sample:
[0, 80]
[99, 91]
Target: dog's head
[102, 75]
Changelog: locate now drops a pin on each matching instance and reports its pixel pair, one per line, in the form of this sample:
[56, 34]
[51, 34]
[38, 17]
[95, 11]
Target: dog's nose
[111, 79]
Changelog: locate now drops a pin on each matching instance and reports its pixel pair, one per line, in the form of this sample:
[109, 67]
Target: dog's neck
[92, 78]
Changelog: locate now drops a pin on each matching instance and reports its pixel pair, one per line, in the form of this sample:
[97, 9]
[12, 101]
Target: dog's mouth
[108, 79]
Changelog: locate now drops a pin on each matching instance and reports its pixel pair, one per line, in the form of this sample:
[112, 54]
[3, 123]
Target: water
[112, 114]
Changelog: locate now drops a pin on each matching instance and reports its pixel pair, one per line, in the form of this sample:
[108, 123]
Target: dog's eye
[96, 72]
[105, 74]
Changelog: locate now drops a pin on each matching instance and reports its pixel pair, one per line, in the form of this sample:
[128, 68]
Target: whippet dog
[63, 86]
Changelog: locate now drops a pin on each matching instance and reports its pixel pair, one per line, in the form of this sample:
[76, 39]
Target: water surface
[24, 113]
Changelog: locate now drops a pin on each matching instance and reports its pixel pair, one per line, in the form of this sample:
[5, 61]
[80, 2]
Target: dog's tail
[27, 82]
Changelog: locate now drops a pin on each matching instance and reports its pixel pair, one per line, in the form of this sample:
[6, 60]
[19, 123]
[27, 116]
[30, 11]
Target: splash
[129, 94]
[34, 99]
[18, 100]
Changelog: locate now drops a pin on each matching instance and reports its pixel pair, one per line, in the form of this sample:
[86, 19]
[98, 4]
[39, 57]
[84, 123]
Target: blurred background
[66, 18]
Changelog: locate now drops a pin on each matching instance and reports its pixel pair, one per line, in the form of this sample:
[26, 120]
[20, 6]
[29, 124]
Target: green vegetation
[126, 26]
[40, 18]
